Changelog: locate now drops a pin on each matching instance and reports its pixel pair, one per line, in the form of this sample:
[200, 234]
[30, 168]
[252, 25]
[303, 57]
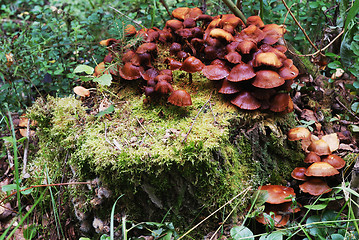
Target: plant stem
[235, 10]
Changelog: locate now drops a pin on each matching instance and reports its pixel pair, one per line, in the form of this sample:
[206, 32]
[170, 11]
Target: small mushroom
[241, 72]
[298, 133]
[334, 160]
[267, 79]
[277, 193]
[315, 187]
[245, 100]
[312, 157]
[299, 173]
[215, 71]
[81, 91]
[180, 98]
[320, 147]
[321, 169]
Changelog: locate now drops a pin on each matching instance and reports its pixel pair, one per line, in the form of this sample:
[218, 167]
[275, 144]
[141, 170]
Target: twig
[145, 129]
[124, 15]
[214, 117]
[341, 104]
[44, 185]
[26, 150]
[320, 50]
[113, 145]
[298, 24]
[190, 129]
[166, 7]
[210, 215]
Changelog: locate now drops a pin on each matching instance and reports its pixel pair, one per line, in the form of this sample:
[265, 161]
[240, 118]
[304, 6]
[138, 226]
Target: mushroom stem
[190, 79]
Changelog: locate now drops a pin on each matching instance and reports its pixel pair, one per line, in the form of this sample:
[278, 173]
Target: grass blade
[112, 232]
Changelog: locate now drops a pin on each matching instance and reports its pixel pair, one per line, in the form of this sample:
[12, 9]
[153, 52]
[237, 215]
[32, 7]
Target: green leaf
[103, 237]
[354, 128]
[351, 14]
[84, 238]
[27, 191]
[239, 232]
[259, 197]
[273, 236]
[9, 187]
[84, 68]
[86, 78]
[108, 110]
[30, 231]
[336, 236]
[356, 84]
[334, 65]
[355, 107]
[316, 207]
[104, 79]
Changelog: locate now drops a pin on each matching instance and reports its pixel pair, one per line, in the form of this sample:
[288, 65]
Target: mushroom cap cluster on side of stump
[323, 163]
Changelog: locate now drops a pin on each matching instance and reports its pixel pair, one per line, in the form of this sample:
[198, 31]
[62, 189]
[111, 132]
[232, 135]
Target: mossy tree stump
[139, 151]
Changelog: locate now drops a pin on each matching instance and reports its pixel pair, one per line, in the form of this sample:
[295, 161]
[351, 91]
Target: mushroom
[320, 147]
[321, 169]
[299, 173]
[281, 103]
[267, 79]
[192, 65]
[334, 160]
[229, 87]
[312, 157]
[130, 71]
[278, 194]
[81, 91]
[163, 87]
[180, 98]
[315, 187]
[215, 71]
[298, 133]
[241, 72]
[245, 100]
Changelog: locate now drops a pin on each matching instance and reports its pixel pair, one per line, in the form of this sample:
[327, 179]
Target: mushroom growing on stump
[245, 100]
[298, 133]
[278, 199]
[299, 173]
[192, 65]
[315, 187]
[180, 98]
[334, 160]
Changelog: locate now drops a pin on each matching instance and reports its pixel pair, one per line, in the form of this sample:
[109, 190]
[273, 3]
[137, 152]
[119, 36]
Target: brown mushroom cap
[298, 133]
[267, 79]
[221, 34]
[100, 69]
[163, 87]
[81, 91]
[146, 47]
[130, 71]
[312, 157]
[149, 74]
[320, 147]
[315, 187]
[332, 140]
[108, 41]
[233, 57]
[228, 87]
[279, 219]
[174, 64]
[277, 193]
[299, 173]
[281, 103]
[245, 100]
[130, 30]
[192, 65]
[334, 160]
[241, 72]
[288, 73]
[267, 58]
[273, 32]
[180, 98]
[174, 24]
[175, 48]
[321, 169]
[246, 46]
[255, 20]
[215, 72]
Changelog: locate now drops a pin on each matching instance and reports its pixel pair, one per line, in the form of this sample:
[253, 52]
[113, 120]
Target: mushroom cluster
[280, 203]
[245, 57]
[323, 163]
